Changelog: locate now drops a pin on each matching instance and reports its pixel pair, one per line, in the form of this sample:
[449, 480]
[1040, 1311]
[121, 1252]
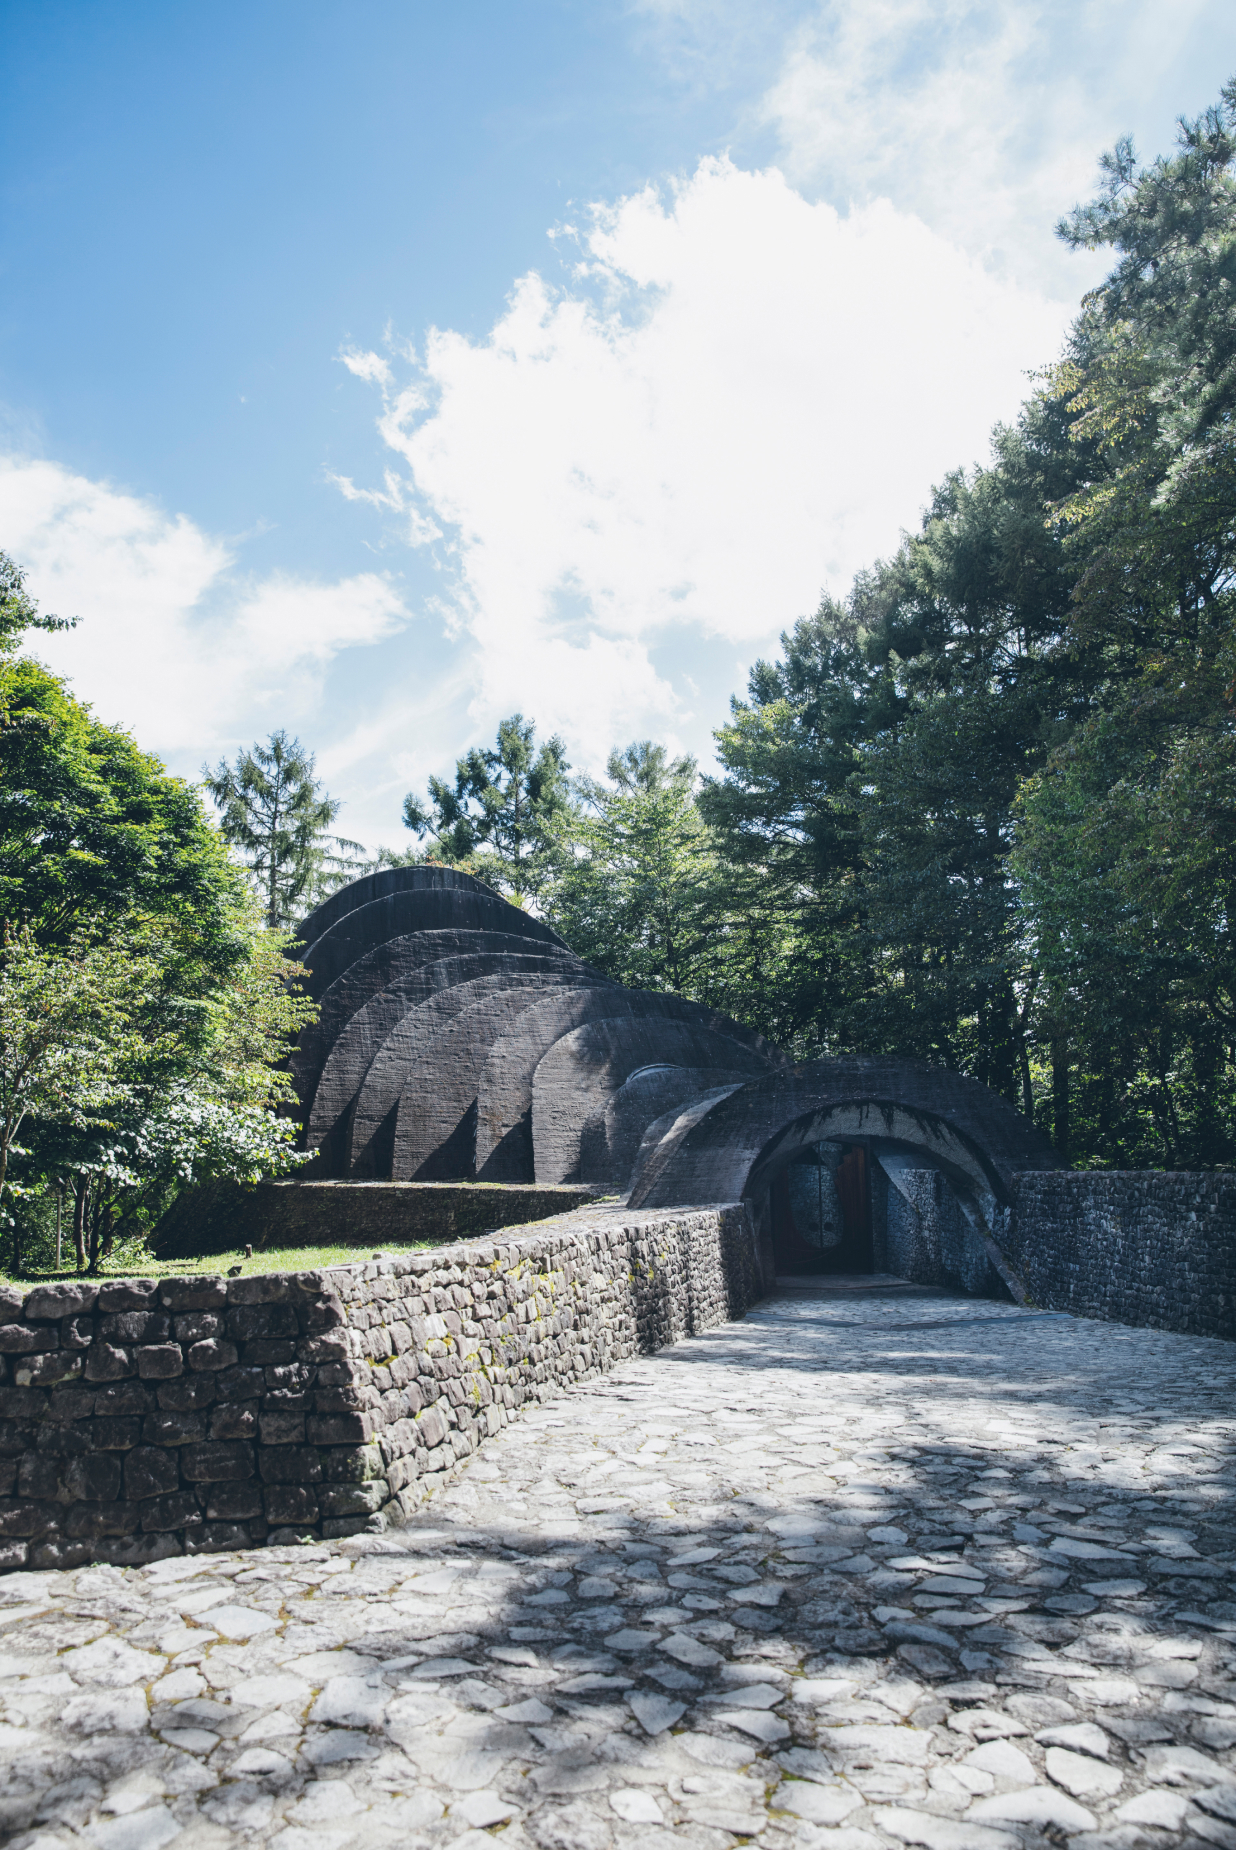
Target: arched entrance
[820, 1211]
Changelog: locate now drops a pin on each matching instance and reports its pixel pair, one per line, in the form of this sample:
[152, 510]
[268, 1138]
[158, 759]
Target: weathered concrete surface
[381, 885]
[418, 1053]
[968, 1128]
[389, 962]
[343, 1073]
[610, 1141]
[580, 1074]
[856, 1573]
[504, 1148]
[358, 932]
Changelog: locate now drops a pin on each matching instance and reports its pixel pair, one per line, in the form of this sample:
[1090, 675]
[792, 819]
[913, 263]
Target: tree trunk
[81, 1198]
[1060, 1098]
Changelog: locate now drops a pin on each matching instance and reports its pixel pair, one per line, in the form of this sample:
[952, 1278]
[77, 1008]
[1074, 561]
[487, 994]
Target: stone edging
[145, 1418]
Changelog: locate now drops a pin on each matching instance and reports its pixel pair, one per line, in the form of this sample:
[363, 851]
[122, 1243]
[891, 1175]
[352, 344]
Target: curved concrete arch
[504, 1143]
[381, 885]
[406, 1050]
[579, 1074]
[740, 1138]
[435, 1127]
[662, 1137]
[413, 910]
[349, 1060]
[610, 1142]
[386, 963]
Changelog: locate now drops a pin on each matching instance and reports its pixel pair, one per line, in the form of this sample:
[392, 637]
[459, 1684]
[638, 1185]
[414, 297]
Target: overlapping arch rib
[458, 1036]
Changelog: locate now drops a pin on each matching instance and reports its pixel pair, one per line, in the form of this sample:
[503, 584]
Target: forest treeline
[981, 811]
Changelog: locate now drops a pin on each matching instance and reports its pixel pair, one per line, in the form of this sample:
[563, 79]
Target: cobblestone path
[863, 1570]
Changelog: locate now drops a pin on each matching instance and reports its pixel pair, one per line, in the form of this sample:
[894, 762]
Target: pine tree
[273, 809]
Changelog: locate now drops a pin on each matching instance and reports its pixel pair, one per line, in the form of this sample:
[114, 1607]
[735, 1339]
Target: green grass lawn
[274, 1259]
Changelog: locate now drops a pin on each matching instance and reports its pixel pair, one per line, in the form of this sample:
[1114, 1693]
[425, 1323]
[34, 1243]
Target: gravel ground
[869, 1568]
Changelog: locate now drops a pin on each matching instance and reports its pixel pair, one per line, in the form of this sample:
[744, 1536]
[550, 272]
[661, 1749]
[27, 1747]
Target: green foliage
[275, 813]
[145, 1011]
[92, 828]
[499, 820]
[994, 790]
[18, 610]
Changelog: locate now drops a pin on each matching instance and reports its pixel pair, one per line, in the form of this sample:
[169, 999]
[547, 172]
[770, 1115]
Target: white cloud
[174, 644]
[742, 396]
[984, 117]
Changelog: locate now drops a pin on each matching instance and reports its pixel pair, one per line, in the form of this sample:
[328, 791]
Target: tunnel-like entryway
[820, 1205]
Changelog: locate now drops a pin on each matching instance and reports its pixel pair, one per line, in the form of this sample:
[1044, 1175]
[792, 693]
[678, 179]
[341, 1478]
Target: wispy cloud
[741, 396]
[174, 641]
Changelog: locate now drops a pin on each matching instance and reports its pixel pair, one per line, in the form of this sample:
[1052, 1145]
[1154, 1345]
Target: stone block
[76, 1332]
[291, 1503]
[216, 1461]
[289, 1464]
[183, 1294]
[339, 1428]
[195, 1326]
[94, 1478]
[271, 1351]
[57, 1552]
[12, 1304]
[122, 1397]
[21, 1339]
[179, 1510]
[136, 1326]
[213, 1353]
[189, 1394]
[233, 1502]
[266, 1288]
[330, 1346]
[217, 1538]
[282, 1427]
[241, 1383]
[107, 1362]
[160, 1362]
[43, 1371]
[432, 1428]
[151, 1471]
[51, 1302]
[21, 1517]
[89, 1521]
[236, 1421]
[137, 1550]
[38, 1476]
[128, 1294]
[353, 1499]
[247, 1322]
[174, 1428]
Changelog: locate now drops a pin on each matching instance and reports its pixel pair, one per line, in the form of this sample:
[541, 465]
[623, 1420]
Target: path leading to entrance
[865, 1569]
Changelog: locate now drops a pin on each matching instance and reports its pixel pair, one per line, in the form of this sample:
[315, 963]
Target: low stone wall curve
[143, 1418]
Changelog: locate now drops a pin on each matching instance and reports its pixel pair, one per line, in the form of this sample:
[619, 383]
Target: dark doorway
[821, 1212]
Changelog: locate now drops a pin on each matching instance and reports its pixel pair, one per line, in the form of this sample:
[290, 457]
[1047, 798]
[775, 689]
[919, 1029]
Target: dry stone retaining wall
[145, 1418]
[1145, 1247]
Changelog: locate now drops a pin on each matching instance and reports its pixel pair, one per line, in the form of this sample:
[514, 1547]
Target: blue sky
[374, 370]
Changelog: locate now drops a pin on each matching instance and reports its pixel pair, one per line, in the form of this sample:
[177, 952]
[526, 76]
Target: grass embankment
[275, 1259]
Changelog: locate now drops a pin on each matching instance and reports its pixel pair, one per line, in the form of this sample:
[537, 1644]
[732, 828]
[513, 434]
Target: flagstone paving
[866, 1569]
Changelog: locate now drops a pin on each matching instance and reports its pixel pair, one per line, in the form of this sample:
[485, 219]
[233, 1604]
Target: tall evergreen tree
[275, 812]
[498, 819]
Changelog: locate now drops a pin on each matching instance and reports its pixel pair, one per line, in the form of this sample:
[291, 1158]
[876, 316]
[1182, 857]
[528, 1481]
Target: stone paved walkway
[863, 1570]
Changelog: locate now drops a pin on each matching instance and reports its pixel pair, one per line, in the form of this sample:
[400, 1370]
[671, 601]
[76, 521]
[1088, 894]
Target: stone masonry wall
[1141, 1247]
[224, 1217]
[147, 1418]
